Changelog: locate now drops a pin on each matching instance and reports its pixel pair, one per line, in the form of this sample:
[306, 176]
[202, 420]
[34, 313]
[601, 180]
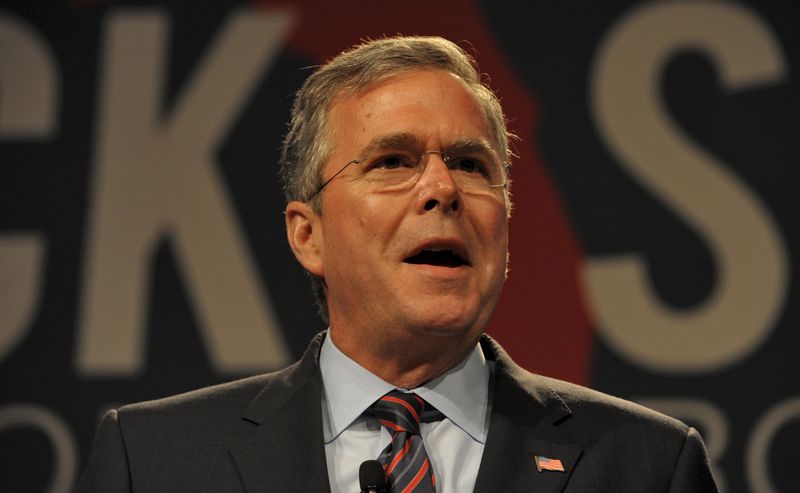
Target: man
[396, 175]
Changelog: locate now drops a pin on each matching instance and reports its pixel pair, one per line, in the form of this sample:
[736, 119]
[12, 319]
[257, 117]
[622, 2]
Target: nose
[436, 187]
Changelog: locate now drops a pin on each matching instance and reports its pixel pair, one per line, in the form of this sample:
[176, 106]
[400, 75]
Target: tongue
[440, 258]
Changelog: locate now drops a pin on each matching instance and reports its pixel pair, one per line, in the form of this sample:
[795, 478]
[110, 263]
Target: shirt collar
[461, 393]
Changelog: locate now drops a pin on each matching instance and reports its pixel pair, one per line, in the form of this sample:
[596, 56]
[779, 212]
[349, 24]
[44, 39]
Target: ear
[304, 232]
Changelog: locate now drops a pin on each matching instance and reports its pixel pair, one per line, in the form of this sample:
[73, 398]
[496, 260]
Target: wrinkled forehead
[356, 93]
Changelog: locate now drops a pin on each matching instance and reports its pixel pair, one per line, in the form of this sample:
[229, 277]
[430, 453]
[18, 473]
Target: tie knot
[403, 411]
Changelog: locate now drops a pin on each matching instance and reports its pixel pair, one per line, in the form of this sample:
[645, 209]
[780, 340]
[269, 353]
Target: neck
[406, 364]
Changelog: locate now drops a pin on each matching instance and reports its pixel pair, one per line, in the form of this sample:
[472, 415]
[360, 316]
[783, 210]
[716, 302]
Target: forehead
[436, 107]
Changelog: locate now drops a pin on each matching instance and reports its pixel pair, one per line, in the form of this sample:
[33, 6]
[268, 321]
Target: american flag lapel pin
[548, 463]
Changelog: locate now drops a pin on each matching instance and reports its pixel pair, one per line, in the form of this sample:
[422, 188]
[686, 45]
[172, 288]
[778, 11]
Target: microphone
[372, 477]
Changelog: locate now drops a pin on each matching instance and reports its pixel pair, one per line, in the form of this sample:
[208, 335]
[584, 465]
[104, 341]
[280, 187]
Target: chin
[444, 315]
[446, 324]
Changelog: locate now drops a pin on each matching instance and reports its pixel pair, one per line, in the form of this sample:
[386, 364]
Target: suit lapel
[285, 451]
[524, 424]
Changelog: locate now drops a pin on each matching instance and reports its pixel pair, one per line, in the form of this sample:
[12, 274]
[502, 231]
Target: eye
[393, 161]
[467, 165]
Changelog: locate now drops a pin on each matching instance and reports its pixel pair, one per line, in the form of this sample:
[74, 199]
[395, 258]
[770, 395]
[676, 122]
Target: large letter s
[740, 234]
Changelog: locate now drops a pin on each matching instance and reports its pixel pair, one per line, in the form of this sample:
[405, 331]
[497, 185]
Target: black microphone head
[372, 477]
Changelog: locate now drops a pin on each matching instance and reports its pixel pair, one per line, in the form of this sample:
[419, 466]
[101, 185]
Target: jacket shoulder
[585, 402]
[225, 396]
[569, 402]
[213, 412]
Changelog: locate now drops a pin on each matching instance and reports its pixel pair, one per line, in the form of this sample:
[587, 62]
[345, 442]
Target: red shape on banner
[542, 319]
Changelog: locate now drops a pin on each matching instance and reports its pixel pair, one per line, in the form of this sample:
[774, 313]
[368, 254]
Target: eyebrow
[406, 140]
[402, 140]
[471, 146]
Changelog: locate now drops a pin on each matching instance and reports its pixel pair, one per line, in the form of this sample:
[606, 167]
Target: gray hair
[307, 146]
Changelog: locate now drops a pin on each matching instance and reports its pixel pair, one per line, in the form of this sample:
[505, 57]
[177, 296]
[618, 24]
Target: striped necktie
[407, 466]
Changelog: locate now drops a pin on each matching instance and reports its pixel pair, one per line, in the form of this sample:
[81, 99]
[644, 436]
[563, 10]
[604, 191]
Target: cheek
[379, 219]
[493, 228]
[495, 236]
[361, 231]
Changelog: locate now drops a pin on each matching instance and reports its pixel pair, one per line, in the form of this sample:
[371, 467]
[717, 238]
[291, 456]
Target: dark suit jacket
[264, 434]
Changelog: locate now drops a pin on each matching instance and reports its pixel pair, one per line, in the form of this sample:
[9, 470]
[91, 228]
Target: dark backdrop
[142, 250]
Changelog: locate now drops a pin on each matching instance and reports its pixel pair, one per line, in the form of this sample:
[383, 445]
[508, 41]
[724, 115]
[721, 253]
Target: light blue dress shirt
[454, 445]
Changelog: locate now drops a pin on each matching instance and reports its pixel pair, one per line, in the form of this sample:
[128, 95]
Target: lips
[447, 255]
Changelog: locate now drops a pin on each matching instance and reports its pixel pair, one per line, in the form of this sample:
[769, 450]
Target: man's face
[427, 259]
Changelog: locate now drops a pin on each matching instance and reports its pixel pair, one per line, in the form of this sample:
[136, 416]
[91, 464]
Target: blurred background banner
[656, 223]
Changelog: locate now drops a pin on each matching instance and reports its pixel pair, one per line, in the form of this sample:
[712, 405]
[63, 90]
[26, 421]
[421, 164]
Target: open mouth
[439, 258]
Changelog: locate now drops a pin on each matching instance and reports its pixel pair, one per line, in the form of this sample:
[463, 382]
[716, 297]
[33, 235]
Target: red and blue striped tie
[405, 461]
